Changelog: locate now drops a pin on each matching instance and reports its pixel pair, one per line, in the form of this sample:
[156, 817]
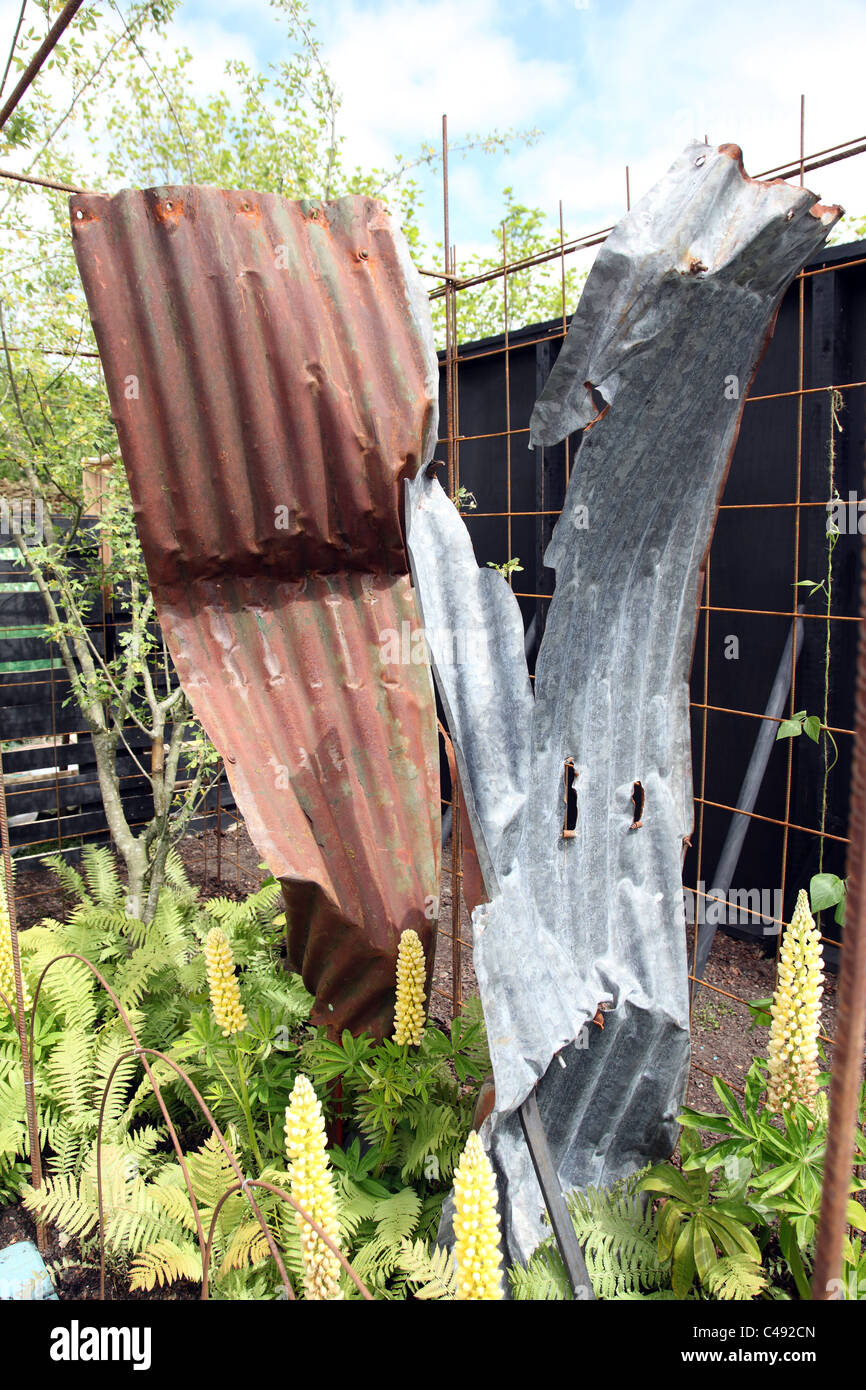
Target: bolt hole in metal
[637, 799]
[79, 214]
[569, 825]
[701, 159]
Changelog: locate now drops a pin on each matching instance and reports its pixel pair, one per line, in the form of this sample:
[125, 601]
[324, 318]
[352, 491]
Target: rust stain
[270, 396]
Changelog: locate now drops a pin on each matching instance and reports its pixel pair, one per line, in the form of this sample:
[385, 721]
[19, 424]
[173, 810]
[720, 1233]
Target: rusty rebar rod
[850, 1016]
[20, 1023]
[62, 22]
[39, 182]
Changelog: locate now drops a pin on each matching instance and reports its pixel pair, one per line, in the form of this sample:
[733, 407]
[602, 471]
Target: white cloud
[399, 66]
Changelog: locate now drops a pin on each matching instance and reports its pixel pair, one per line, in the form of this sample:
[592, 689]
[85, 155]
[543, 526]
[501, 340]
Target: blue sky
[609, 82]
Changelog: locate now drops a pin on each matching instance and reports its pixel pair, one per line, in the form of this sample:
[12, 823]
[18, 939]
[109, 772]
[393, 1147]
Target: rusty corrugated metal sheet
[273, 380]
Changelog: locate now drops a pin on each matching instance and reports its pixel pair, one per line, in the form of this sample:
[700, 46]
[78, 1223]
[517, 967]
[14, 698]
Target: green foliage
[412, 1105]
[772, 1165]
[535, 294]
[697, 1226]
[800, 723]
[430, 1274]
[509, 567]
[828, 890]
[464, 500]
[618, 1235]
[157, 974]
[408, 1110]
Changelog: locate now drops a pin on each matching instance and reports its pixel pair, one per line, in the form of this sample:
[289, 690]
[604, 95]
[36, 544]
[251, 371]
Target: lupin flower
[477, 1255]
[225, 994]
[7, 965]
[409, 1014]
[312, 1187]
[796, 1013]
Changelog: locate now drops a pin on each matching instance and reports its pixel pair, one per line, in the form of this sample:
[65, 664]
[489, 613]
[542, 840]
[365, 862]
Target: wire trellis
[451, 287]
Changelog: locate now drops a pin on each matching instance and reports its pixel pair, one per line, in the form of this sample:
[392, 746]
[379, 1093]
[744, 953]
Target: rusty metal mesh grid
[452, 438]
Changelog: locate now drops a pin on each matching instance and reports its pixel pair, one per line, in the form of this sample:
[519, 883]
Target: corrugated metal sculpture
[273, 380]
[580, 798]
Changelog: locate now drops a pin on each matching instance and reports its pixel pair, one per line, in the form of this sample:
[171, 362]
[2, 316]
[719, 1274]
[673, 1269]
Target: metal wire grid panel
[826, 401]
[825, 409]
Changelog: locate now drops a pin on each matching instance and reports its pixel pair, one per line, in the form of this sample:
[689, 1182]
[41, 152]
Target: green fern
[430, 1274]
[164, 1262]
[542, 1280]
[100, 873]
[618, 1238]
[736, 1277]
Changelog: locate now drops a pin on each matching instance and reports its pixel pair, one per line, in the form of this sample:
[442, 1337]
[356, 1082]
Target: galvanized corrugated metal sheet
[671, 324]
[273, 380]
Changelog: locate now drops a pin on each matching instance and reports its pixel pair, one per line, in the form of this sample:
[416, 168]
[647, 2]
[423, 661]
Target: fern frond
[164, 1262]
[66, 1200]
[69, 1068]
[100, 873]
[69, 987]
[736, 1277]
[431, 1274]
[247, 1247]
[397, 1216]
[211, 1175]
[436, 1132]
[110, 1047]
[70, 880]
[618, 1238]
[542, 1280]
[175, 872]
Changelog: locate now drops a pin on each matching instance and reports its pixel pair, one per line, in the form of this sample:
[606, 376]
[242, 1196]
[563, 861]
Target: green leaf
[777, 1180]
[704, 1250]
[855, 1215]
[727, 1097]
[683, 1265]
[669, 1225]
[668, 1180]
[701, 1119]
[789, 728]
[760, 1012]
[732, 1235]
[825, 890]
[812, 727]
[791, 1252]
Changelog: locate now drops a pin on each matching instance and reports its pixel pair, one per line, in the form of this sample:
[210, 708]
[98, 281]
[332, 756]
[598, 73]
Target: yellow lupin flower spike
[7, 965]
[409, 1014]
[477, 1254]
[225, 994]
[311, 1185]
[796, 1013]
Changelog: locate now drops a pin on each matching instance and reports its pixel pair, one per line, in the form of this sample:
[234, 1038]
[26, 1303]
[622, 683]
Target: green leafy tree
[275, 129]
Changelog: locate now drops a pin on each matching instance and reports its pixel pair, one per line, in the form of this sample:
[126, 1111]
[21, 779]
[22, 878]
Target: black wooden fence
[52, 792]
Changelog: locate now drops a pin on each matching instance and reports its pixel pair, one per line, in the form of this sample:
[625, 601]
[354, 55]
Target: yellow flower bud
[796, 1013]
[225, 995]
[312, 1186]
[477, 1255]
[409, 1015]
